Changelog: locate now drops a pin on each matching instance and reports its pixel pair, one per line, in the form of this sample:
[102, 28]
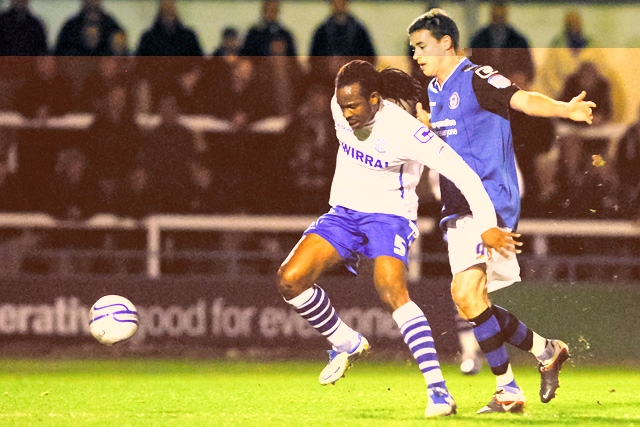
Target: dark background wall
[212, 317]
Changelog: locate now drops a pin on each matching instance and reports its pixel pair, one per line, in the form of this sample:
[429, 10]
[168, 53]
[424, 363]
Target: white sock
[416, 331]
[539, 345]
[301, 299]
[344, 338]
[506, 378]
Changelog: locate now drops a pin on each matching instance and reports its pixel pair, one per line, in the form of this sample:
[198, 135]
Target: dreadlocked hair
[398, 85]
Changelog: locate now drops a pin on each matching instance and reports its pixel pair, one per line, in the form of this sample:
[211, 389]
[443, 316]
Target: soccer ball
[113, 319]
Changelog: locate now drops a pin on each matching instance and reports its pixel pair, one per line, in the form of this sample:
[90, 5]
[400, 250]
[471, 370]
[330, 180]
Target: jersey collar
[439, 86]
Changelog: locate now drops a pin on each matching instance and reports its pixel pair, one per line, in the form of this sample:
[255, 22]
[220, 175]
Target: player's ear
[447, 42]
[374, 98]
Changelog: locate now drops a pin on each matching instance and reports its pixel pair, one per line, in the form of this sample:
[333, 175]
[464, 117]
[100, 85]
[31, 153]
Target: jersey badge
[454, 101]
[381, 145]
[423, 135]
[499, 81]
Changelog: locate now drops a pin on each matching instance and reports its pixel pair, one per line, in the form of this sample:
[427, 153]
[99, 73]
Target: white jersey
[380, 173]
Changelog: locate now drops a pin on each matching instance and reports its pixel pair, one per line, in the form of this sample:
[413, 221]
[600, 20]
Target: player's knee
[461, 293]
[291, 281]
[393, 296]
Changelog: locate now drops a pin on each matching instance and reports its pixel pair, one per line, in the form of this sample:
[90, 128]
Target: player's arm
[439, 156]
[537, 104]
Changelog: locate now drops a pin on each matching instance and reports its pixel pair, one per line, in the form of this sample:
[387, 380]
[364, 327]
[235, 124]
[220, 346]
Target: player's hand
[501, 241]
[423, 115]
[581, 110]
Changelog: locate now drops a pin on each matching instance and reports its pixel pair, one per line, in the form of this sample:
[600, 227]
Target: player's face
[429, 53]
[358, 109]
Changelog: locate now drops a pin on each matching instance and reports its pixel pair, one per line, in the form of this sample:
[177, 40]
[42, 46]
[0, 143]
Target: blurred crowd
[124, 165]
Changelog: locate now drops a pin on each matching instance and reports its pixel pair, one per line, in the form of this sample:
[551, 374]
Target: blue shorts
[355, 233]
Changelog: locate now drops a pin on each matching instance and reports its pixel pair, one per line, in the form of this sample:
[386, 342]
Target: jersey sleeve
[433, 152]
[336, 113]
[493, 90]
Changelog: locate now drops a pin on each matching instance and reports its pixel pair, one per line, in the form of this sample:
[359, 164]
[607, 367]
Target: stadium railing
[196, 123]
[569, 250]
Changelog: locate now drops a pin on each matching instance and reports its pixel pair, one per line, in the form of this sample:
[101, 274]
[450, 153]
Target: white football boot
[440, 403]
[339, 362]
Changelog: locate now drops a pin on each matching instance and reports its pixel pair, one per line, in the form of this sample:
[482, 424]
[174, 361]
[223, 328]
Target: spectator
[533, 138]
[72, 193]
[217, 69]
[502, 47]
[109, 71]
[138, 195]
[311, 155]
[567, 51]
[205, 190]
[84, 37]
[46, 93]
[189, 96]
[258, 40]
[235, 96]
[585, 187]
[590, 79]
[627, 159]
[281, 78]
[87, 33]
[21, 33]
[166, 149]
[338, 40]
[119, 43]
[230, 44]
[167, 37]
[273, 50]
[114, 138]
[12, 196]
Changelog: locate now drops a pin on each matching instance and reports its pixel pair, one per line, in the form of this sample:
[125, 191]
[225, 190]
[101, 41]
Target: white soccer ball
[113, 319]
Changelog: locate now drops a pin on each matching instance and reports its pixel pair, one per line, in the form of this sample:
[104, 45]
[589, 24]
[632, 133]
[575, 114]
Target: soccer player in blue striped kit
[469, 109]
[383, 151]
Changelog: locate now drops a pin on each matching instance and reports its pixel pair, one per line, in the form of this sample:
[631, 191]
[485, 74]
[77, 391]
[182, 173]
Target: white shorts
[466, 249]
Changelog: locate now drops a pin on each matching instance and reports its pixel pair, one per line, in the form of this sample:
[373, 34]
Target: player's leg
[312, 256]
[469, 293]
[501, 272]
[551, 354]
[468, 258]
[388, 240]
[390, 278]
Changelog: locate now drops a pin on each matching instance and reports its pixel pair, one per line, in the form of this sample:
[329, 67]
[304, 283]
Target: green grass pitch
[153, 392]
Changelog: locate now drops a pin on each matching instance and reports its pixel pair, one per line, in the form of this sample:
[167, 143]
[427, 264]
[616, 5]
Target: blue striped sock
[319, 312]
[315, 307]
[489, 336]
[514, 331]
[416, 332]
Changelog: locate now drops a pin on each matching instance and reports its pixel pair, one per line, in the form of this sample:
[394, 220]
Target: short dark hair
[359, 71]
[438, 23]
[230, 32]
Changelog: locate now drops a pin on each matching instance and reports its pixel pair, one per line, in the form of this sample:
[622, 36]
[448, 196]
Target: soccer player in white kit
[383, 150]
